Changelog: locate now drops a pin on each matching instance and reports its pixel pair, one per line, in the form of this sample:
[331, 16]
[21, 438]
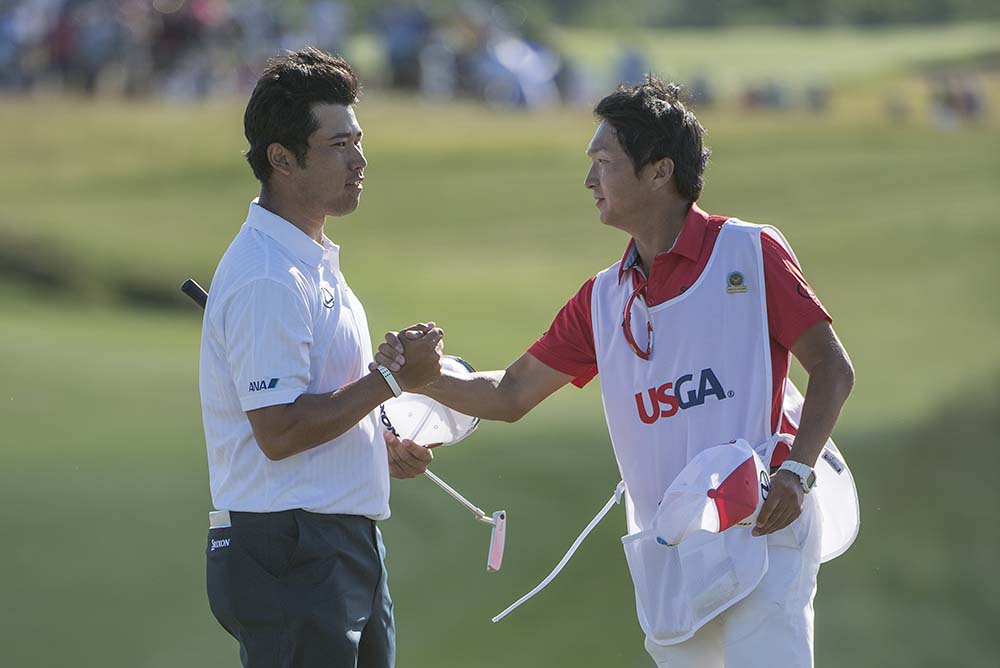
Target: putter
[494, 558]
[498, 520]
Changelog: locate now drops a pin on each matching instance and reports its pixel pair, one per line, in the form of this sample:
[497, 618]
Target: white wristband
[390, 381]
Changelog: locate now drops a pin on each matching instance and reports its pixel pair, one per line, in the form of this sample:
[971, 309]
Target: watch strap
[806, 474]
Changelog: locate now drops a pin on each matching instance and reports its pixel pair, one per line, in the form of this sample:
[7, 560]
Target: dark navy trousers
[302, 590]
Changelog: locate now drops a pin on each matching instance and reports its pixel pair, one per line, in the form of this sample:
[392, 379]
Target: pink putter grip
[497, 539]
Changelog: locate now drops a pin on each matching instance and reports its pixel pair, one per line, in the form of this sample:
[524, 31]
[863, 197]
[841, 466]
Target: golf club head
[497, 539]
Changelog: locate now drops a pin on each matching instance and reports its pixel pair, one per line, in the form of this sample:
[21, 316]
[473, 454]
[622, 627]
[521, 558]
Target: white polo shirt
[281, 321]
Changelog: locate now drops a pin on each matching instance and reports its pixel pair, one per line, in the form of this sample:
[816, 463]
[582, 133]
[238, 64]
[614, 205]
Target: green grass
[736, 56]
[480, 221]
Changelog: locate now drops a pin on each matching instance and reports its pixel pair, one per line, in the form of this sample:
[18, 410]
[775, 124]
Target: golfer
[691, 332]
[298, 468]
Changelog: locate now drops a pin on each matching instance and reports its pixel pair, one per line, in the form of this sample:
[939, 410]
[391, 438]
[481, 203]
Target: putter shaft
[478, 512]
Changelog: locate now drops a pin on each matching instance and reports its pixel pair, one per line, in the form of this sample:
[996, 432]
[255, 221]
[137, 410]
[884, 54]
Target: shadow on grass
[919, 588]
[46, 268]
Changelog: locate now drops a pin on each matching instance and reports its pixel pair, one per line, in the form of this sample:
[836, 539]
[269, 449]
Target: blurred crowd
[484, 51]
[195, 48]
[191, 49]
[176, 48]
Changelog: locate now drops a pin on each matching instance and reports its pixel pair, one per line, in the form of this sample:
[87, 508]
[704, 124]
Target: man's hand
[391, 354]
[418, 360]
[406, 458]
[783, 504]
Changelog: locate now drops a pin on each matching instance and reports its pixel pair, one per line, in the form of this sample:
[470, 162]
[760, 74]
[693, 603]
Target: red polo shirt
[792, 306]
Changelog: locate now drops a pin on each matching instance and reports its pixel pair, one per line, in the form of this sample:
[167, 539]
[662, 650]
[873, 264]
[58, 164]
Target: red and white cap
[721, 487]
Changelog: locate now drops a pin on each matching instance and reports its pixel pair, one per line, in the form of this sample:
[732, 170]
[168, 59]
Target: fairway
[479, 220]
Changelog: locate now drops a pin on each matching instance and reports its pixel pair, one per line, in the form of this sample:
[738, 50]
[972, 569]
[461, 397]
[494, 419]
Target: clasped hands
[419, 364]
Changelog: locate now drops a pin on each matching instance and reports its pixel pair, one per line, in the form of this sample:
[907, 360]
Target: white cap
[721, 487]
[426, 421]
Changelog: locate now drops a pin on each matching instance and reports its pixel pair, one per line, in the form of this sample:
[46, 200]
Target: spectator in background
[702, 94]
[818, 98]
[632, 66]
[405, 29]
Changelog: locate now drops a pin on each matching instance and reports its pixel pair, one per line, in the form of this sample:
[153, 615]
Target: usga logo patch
[735, 283]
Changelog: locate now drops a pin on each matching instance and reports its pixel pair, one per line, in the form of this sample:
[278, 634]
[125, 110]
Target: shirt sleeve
[792, 306]
[568, 345]
[267, 331]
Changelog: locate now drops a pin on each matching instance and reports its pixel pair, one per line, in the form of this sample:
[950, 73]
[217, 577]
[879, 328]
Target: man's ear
[663, 170]
[281, 158]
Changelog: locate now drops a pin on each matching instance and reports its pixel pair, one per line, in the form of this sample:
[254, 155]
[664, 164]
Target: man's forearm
[314, 419]
[485, 394]
[830, 383]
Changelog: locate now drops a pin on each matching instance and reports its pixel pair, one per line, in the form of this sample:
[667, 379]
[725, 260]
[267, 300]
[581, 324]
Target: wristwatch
[806, 474]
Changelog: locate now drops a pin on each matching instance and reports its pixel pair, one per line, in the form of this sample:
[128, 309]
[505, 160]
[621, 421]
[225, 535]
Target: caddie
[692, 332]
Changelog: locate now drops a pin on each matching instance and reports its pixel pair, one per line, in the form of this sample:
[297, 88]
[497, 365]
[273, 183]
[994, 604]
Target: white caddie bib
[707, 382]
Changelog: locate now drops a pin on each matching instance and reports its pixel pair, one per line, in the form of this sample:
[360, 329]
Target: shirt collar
[688, 243]
[292, 238]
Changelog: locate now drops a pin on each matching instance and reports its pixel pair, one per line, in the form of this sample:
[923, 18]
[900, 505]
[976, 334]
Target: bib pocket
[710, 575]
[656, 576]
[679, 589]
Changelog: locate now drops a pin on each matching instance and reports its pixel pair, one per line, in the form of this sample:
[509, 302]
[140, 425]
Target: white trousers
[773, 625]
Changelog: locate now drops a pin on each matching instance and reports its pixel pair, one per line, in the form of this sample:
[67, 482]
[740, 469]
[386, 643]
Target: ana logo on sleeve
[258, 385]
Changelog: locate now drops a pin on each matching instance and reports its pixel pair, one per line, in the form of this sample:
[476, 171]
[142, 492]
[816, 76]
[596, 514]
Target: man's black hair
[280, 107]
[652, 123]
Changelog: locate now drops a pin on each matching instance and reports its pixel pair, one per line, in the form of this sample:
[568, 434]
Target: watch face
[811, 479]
